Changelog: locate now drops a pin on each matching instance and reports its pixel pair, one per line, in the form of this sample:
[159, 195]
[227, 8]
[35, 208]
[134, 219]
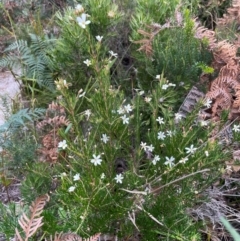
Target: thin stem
[155, 191]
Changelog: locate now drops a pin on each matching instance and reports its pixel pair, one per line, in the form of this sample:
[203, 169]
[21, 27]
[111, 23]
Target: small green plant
[127, 158]
[9, 218]
[122, 157]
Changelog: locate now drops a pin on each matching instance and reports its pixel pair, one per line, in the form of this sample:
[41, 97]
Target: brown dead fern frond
[55, 118]
[231, 82]
[233, 15]
[236, 102]
[146, 43]
[224, 52]
[223, 100]
[73, 237]
[50, 140]
[49, 150]
[57, 237]
[31, 224]
[48, 155]
[229, 71]
[224, 89]
[204, 33]
[56, 108]
[234, 11]
[56, 122]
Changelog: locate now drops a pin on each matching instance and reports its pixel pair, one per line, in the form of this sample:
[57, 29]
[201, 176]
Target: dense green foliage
[123, 157]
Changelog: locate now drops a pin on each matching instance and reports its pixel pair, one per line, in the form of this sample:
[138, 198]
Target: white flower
[125, 119]
[150, 148]
[170, 161]
[203, 123]
[88, 113]
[228, 168]
[206, 153]
[71, 189]
[64, 174]
[99, 38]
[65, 84]
[147, 99]
[96, 160]
[102, 176]
[128, 108]
[120, 111]
[147, 190]
[178, 116]
[161, 135]
[82, 20]
[62, 144]
[165, 86]
[155, 159]
[62, 84]
[113, 54]
[76, 177]
[104, 138]
[81, 95]
[161, 99]
[183, 160]
[191, 149]
[79, 8]
[170, 133]
[207, 103]
[119, 178]
[171, 84]
[236, 128]
[143, 146]
[111, 14]
[87, 62]
[141, 93]
[158, 76]
[160, 120]
[179, 190]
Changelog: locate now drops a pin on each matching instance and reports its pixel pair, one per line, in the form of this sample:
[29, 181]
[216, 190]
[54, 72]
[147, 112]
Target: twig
[149, 215]
[132, 219]
[134, 191]
[179, 179]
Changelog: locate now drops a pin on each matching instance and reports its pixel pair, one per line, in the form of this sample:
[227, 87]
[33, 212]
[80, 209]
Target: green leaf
[230, 228]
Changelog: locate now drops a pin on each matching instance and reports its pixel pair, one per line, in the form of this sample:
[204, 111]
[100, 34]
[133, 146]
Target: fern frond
[229, 71]
[204, 33]
[73, 237]
[146, 34]
[233, 14]
[21, 117]
[224, 52]
[9, 61]
[32, 58]
[236, 102]
[55, 122]
[223, 92]
[34, 222]
[149, 36]
[93, 238]
[19, 45]
[57, 237]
